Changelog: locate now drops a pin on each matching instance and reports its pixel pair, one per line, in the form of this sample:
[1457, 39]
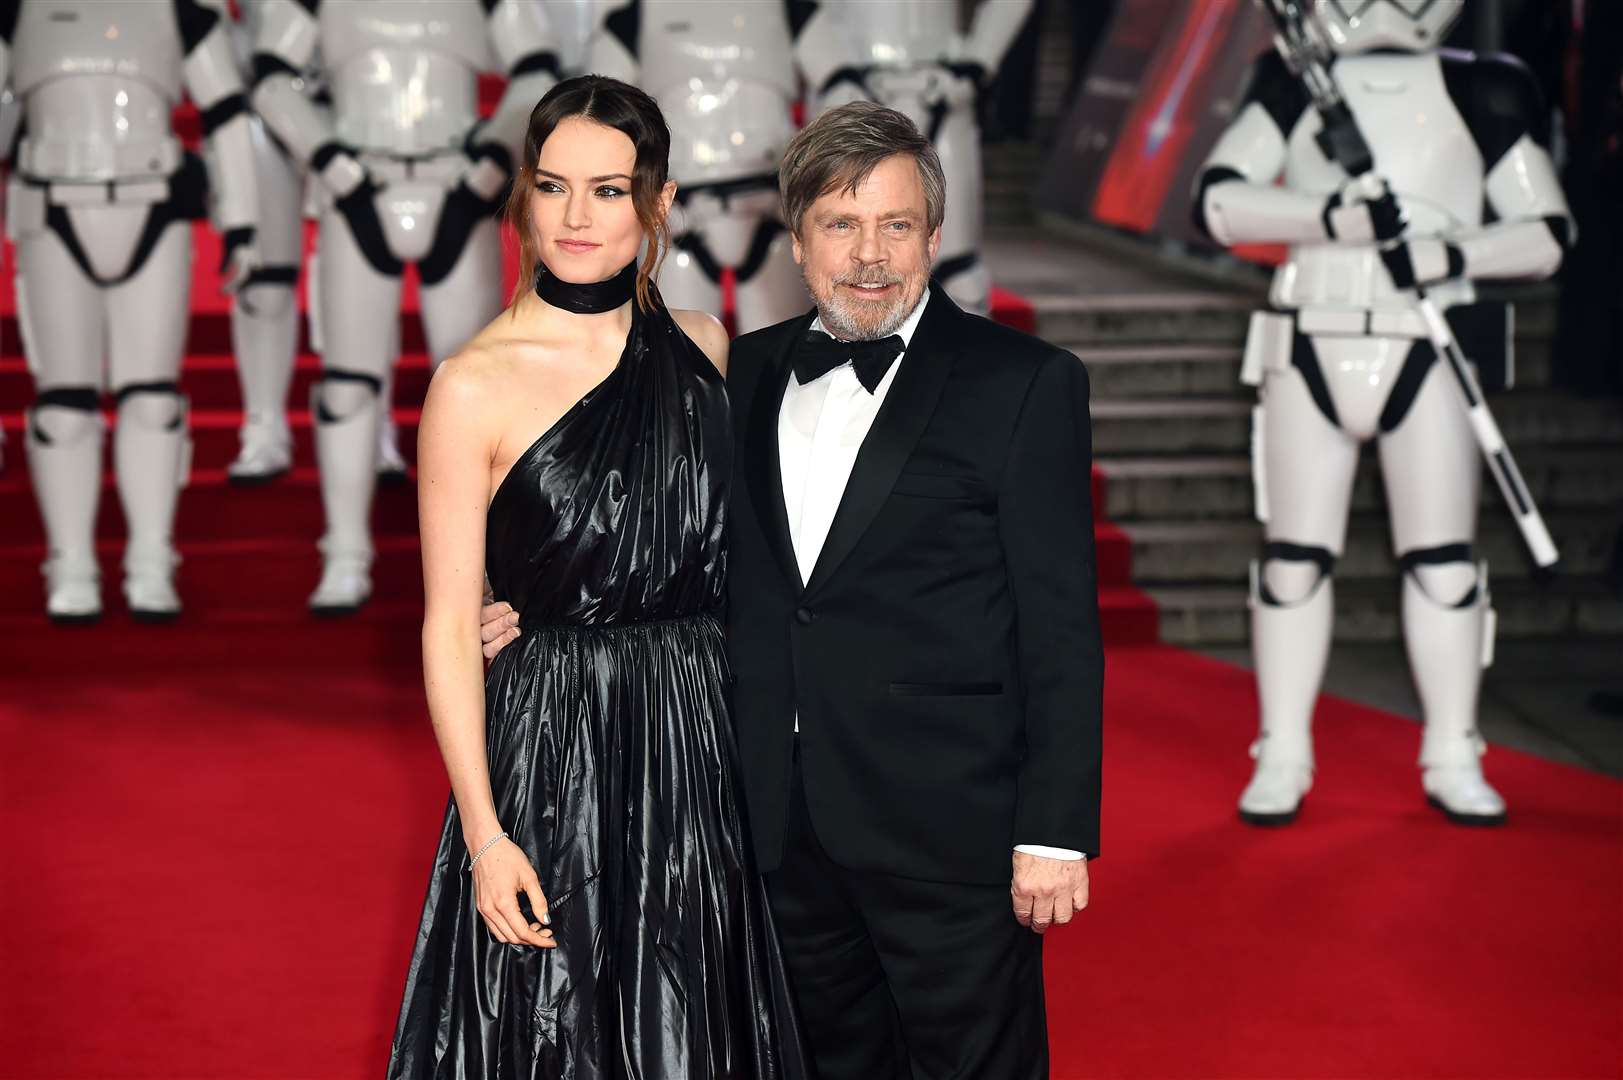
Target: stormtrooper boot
[391, 462]
[64, 441]
[264, 334]
[1290, 642]
[1448, 645]
[266, 450]
[346, 450]
[152, 458]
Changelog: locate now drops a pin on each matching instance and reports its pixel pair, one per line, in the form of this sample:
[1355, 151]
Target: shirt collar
[910, 324]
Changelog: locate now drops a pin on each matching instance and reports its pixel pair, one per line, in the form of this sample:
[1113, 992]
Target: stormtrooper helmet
[1356, 26]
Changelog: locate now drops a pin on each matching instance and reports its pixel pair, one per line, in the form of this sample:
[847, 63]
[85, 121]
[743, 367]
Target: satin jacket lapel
[908, 407]
[761, 460]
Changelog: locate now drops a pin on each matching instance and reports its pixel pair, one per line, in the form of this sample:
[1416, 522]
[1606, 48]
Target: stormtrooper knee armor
[724, 76]
[911, 58]
[1350, 360]
[407, 173]
[99, 209]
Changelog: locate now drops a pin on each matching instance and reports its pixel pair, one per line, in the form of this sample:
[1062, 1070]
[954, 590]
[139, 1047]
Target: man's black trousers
[901, 979]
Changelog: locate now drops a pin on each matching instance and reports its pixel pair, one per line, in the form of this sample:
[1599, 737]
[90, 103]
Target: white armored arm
[1508, 119]
[1505, 112]
[823, 52]
[287, 38]
[1535, 226]
[614, 41]
[214, 84]
[1236, 199]
[995, 26]
[523, 41]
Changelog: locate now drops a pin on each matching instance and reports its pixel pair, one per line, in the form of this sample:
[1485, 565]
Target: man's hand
[1047, 892]
[498, 625]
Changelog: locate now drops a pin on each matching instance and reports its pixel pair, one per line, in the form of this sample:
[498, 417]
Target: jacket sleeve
[1045, 520]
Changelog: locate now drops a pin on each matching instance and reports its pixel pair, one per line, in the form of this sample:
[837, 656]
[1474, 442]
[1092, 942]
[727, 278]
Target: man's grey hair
[839, 150]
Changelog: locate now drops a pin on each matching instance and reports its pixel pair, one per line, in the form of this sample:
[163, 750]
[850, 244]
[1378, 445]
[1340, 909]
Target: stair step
[209, 380]
[1201, 615]
[1156, 317]
[1211, 552]
[1159, 370]
[1219, 487]
[212, 509]
[1188, 425]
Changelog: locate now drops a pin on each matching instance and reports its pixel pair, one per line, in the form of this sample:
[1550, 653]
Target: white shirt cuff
[1049, 852]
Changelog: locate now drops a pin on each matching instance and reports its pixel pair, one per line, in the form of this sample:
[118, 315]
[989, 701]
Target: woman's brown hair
[627, 109]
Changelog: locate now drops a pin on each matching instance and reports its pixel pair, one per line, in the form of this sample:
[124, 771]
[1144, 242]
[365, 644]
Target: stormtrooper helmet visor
[1355, 26]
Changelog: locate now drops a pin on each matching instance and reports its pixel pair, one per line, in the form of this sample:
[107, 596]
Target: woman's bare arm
[455, 442]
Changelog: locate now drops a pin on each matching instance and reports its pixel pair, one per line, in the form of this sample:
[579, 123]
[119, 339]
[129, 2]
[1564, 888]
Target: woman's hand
[498, 877]
[498, 627]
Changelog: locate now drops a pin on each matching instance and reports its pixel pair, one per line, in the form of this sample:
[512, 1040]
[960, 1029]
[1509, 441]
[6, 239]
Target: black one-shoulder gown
[612, 763]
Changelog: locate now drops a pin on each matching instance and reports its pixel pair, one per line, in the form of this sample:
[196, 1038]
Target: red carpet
[216, 872]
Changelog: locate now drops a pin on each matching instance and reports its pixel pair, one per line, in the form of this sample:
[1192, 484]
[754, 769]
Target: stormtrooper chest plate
[99, 80]
[900, 35]
[724, 77]
[404, 73]
[1421, 144]
[1422, 148]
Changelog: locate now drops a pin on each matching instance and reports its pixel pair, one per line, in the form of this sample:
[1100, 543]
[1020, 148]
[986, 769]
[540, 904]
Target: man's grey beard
[846, 320]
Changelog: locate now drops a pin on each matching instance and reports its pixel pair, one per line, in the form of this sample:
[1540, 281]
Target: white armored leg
[1305, 466]
[359, 351]
[1446, 623]
[64, 439]
[151, 456]
[346, 417]
[265, 317]
[264, 336]
[147, 319]
[391, 463]
[60, 317]
[959, 266]
[1292, 611]
[1433, 479]
[770, 288]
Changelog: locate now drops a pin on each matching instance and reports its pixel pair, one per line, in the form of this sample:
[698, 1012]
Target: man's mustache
[871, 277]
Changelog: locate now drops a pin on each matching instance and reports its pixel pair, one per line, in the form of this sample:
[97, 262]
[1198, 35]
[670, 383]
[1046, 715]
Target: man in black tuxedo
[914, 630]
[913, 627]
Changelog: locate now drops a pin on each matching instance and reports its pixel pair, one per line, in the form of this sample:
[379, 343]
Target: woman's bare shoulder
[706, 332]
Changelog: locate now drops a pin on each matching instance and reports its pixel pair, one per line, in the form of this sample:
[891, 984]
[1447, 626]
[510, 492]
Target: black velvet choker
[593, 298]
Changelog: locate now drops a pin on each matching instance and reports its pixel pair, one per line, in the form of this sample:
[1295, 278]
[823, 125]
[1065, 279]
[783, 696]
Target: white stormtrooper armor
[724, 76]
[1347, 359]
[99, 209]
[911, 57]
[407, 173]
[573, 24]
[264, 311]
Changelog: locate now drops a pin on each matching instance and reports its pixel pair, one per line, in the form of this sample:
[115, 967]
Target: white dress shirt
[821, 427]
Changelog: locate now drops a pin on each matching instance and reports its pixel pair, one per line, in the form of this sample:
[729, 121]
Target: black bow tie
[820, 354]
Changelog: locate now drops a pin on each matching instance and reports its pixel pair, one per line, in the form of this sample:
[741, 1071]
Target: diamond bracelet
[488, 844]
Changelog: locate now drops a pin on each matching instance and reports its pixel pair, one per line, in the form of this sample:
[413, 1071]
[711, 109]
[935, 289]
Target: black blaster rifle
[1308, 57]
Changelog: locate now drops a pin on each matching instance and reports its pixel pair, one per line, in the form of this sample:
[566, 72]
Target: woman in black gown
[578, 452]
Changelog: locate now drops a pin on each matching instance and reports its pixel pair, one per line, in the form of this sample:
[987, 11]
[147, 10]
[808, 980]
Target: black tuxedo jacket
[944, 658]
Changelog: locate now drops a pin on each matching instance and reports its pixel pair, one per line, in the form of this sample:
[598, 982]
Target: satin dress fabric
[613, 765]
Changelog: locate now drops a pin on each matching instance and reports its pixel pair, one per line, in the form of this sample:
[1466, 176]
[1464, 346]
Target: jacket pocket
[935, 486]
[946, 689]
